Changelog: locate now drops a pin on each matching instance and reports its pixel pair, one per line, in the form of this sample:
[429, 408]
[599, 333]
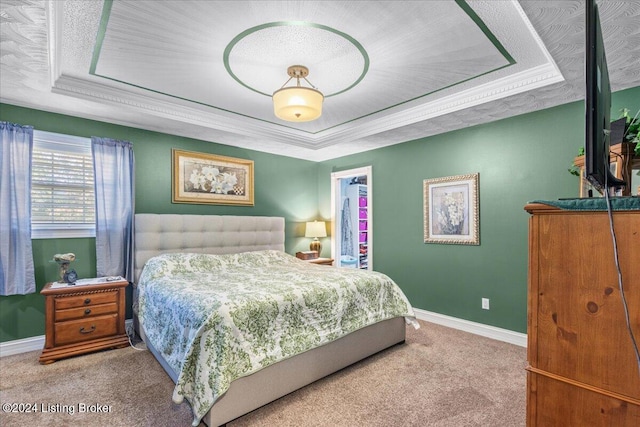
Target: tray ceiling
[391, 71]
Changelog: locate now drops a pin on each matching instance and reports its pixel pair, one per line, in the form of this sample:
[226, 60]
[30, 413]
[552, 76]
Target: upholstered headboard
[157, 234]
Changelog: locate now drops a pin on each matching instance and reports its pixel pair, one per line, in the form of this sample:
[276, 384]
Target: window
[62, 191]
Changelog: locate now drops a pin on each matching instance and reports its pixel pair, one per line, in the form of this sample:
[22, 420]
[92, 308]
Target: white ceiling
[391, 71]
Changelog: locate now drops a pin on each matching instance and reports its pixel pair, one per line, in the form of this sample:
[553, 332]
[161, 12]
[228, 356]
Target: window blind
[62, 186]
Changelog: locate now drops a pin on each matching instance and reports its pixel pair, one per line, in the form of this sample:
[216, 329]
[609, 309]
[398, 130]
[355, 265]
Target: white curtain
[113, 165]
[16, 256]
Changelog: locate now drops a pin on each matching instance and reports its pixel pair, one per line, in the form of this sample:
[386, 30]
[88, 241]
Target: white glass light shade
[316, 229]
[297, 104]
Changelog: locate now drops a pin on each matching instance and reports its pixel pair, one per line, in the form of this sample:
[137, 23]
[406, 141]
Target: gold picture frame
[451, 210]
[211, 179]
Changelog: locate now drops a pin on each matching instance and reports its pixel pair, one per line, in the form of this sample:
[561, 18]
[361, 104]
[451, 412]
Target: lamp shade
[297, 104]
[316, 229]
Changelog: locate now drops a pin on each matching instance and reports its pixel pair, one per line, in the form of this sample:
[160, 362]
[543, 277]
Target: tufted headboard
[157, 234]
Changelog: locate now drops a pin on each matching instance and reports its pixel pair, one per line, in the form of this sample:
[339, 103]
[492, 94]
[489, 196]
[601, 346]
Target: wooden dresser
[82, 319]
[582, 366]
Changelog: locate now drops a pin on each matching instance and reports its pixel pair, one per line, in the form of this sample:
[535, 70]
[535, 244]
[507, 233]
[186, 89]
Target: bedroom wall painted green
[519, 159]
[284, 186]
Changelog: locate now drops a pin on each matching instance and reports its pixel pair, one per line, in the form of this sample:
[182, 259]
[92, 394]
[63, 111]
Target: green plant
[574, 170]
[631, 128]
[631, 134]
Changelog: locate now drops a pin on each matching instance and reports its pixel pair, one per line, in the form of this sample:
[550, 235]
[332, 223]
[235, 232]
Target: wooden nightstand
[83, 318]
[321, 261]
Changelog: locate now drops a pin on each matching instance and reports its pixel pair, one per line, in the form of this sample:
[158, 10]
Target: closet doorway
[352, 218]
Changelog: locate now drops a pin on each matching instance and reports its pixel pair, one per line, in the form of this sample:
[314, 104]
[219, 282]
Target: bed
[181, 250]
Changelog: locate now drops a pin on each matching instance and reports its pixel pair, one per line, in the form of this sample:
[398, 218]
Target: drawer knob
[87, 301]
[87, 311]
[88, 331]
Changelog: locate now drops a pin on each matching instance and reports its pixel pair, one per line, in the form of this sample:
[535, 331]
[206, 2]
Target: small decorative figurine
[63, 260]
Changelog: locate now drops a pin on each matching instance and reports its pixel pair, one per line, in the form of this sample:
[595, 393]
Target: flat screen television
[598, 106]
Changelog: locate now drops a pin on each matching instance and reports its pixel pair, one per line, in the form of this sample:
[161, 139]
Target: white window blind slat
[62, 187]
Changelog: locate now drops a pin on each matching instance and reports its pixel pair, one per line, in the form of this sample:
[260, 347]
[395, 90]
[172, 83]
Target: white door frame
[335, 203]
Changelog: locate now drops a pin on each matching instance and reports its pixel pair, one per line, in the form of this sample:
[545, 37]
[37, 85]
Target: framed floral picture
[211, 179]
[451, 210]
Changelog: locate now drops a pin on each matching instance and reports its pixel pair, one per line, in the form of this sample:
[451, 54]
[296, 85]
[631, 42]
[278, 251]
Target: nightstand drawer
[62, 303]
[74, 331]
[84, 312]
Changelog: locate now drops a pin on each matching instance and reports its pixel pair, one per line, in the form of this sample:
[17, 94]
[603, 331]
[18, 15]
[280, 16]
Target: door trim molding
[335, 177]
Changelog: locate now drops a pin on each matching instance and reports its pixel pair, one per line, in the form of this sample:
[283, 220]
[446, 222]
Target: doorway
[352, 218]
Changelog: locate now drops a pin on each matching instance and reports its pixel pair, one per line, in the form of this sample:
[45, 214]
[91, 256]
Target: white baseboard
[9, 348]
[499, 334]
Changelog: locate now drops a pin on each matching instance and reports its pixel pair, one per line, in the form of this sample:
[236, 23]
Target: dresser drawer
[84, 312]
[62, 303]
[74, 331]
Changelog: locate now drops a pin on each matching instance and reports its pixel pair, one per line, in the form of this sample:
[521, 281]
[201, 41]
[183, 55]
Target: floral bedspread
[216, 318]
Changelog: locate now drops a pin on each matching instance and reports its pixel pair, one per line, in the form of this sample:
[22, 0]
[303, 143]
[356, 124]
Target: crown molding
[533, 78]
[54, 11]
[225, 122]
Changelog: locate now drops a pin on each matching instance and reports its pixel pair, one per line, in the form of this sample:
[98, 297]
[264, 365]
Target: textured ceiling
[391, 71]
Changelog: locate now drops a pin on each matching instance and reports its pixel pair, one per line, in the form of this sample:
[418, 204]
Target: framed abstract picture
[211, 179]
[451, 210]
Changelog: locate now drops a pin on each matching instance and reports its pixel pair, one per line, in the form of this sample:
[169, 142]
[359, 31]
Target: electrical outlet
[128, 327]
[485, 303]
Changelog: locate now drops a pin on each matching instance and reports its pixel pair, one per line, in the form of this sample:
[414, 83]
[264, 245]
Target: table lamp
[316, 229]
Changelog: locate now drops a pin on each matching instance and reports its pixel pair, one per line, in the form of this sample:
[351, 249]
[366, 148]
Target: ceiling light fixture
[297, 103]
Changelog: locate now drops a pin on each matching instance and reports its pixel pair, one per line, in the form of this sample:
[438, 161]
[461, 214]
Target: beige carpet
[440, 377]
